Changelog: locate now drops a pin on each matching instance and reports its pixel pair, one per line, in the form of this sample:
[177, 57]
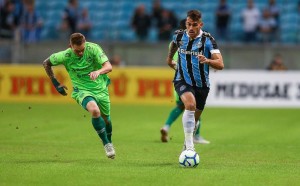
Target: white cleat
[110, 150]
[200, 140]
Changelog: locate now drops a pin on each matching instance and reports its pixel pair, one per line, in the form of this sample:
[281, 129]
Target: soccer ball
[189, 158]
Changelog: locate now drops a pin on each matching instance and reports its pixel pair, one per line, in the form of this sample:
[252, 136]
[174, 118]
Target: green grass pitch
[56, 144]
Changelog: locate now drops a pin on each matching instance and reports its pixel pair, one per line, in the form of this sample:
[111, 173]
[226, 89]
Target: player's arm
[59, 87]
[216, 59]
[106, 68]
[215, 62]
[172, 50]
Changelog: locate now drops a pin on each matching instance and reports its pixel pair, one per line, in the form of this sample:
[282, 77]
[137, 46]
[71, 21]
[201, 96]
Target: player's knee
[190, 106]
[95, 112]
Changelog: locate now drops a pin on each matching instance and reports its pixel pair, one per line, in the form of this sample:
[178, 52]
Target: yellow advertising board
[134, 85]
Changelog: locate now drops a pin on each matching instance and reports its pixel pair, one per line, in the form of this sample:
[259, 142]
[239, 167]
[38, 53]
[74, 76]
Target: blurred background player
[177, 111]
[89, 81]
[197, 51]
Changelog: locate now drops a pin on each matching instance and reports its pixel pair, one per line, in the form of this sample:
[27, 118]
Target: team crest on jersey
[199, 44]
[180, 43]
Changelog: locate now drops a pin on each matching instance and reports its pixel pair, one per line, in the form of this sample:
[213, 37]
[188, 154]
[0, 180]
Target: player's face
[78, 49]
[193, 27]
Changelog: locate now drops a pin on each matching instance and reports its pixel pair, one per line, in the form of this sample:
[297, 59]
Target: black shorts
[199, 93]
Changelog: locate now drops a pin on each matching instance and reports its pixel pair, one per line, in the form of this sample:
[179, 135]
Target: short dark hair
[77, 39]
[195, 15]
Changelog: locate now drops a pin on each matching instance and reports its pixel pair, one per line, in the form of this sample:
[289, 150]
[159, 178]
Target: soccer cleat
[164, 135]
[110, 150]
[200, 140]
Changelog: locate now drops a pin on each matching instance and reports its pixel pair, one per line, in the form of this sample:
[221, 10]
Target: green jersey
[79, 67]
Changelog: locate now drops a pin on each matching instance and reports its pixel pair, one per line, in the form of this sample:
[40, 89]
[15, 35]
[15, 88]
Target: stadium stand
[111, 20]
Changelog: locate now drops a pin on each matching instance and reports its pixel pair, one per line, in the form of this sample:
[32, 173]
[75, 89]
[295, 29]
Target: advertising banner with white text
[255, 88]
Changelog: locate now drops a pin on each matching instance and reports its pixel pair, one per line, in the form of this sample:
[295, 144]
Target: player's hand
[62, 89]
[94, 75]
[172, 64]
[59, 87]
[203, 59]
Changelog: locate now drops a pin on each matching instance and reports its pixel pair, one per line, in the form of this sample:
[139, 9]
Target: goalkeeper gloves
[58, 87]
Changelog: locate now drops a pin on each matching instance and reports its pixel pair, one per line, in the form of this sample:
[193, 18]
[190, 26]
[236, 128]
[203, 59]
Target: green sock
[174, 114]
[109, 130]
[197, 133]
[99, 126]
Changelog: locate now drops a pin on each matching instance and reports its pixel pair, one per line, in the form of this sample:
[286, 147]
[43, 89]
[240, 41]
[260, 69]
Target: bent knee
[190, 106]
[95, 111]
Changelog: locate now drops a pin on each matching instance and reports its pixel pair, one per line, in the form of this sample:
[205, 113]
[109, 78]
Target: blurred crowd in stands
[165, 21]
[21, 21]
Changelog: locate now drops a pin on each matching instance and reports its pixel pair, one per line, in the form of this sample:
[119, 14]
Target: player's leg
[104, 105]
[197, 137]
[198, 126]
[174, 114]
[186, 94]
[108, 126]
[188, 118]
[201, 96]
[90, 104]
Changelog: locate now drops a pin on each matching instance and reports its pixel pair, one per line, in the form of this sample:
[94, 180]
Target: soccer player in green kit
[178, 110]
[87, 66]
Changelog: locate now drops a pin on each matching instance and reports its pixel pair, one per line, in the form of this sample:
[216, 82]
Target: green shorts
[102, 99]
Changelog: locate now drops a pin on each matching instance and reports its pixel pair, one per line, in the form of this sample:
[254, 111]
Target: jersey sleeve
[100, 55]
[58, 58]
[176, 33]
[212, 46]
[173, 39]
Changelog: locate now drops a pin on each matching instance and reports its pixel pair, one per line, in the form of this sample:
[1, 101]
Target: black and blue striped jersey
[189, 68]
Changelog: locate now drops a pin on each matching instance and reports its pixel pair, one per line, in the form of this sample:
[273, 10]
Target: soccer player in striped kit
[178, 110]
[197, 51]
